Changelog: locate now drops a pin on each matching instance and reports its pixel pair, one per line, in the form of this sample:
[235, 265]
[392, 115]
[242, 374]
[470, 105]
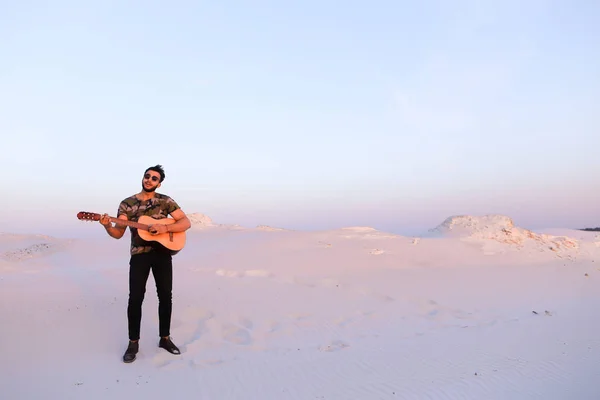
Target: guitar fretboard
[129, 223]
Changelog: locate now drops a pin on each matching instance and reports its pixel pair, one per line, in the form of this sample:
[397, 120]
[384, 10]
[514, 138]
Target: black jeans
[139, 270]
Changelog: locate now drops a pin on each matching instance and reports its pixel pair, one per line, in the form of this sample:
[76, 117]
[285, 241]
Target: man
[149, 255]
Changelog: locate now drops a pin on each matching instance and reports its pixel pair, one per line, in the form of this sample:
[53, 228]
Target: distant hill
[591, 229]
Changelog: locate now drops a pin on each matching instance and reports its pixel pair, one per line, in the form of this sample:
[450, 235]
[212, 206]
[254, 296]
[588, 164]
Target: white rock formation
[501, 229]
[200, 220]
[269, 228]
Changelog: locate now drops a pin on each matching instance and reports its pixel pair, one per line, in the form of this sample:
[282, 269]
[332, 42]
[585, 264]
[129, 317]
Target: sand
[475, 308]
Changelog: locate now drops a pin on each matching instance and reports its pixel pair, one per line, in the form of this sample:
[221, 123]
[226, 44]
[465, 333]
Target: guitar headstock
[88, 216]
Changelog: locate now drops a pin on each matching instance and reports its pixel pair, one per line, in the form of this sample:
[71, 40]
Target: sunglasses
[148, 176]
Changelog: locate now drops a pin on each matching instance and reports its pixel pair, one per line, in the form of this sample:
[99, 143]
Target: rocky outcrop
[501, 229]
[199, 220]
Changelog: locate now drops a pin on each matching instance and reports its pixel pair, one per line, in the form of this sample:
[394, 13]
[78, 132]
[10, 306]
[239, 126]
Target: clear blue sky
[303, 114]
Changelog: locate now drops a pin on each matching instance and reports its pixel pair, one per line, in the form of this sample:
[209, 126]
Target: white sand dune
[474, 309]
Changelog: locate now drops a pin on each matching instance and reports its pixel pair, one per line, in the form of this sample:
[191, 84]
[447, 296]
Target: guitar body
[173, 241]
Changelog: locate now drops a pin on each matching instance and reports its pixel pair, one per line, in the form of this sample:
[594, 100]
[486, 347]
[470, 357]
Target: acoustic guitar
[173, 241]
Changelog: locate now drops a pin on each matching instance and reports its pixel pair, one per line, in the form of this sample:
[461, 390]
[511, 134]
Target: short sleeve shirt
[160, 206]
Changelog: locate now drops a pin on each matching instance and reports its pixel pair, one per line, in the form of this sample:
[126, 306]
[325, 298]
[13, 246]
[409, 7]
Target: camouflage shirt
[160, 206]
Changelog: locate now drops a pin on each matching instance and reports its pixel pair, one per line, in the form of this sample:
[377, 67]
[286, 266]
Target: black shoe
[168, 345]
[131, 351]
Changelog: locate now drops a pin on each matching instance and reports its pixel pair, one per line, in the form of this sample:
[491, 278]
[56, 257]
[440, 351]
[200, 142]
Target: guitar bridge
[171, 236]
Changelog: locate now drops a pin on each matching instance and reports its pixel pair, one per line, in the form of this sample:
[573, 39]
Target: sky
[302, 114]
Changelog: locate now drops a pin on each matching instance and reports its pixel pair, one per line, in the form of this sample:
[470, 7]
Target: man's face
[151, 181]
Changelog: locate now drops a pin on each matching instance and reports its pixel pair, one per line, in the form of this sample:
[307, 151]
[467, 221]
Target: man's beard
[148, 190]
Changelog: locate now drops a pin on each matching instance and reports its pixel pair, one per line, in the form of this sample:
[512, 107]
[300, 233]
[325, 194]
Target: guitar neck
[132, 224]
